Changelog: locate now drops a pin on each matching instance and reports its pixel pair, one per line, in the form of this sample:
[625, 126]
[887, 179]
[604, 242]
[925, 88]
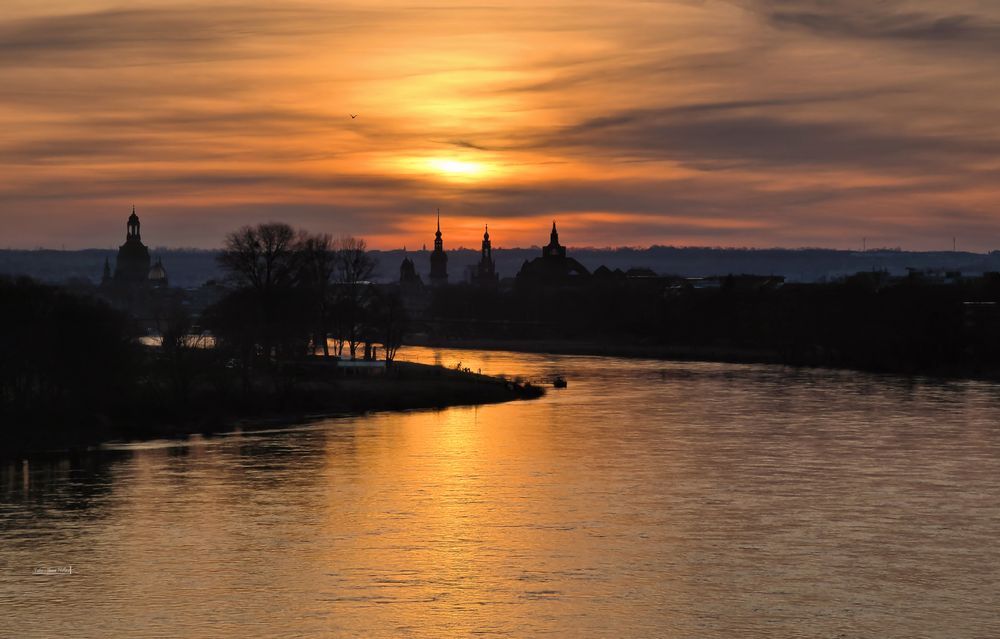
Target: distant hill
[191, 268]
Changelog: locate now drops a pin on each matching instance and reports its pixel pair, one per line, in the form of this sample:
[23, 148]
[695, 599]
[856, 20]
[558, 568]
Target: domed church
[132, 265]
[158, 275]
[554, 267]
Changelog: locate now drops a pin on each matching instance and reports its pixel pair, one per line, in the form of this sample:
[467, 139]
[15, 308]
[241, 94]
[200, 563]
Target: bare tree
[391, 323]
[354, 268]
[317, 263]
[176, 350]
[261, 257]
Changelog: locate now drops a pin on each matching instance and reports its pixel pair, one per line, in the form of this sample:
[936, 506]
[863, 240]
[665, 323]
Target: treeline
[294, 293]
[907, 326]
[294, 298]
[59, 349]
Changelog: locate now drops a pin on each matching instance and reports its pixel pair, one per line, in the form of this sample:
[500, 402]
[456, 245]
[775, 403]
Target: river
[647, 499]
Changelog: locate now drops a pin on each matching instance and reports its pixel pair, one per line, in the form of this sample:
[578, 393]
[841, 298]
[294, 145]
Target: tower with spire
[553, 268]
[485, 273]
[554, 249]
[132, 265]
[439, 259]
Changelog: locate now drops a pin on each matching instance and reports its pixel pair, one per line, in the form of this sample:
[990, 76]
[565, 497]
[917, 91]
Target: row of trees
[294, 295]
[58, 349]
[908, 326]
[67, 358]
[295, 292]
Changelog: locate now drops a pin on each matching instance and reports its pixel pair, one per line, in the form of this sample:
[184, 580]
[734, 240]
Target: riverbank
[609, 349]
[315, 392]
[696, 353]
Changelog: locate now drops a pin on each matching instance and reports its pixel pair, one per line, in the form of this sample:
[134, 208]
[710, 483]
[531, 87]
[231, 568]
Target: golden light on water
[541, 518]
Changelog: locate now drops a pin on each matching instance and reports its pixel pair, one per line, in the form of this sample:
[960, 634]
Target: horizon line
[534, 247]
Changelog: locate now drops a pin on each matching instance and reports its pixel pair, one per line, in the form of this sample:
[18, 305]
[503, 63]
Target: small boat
[559, 382]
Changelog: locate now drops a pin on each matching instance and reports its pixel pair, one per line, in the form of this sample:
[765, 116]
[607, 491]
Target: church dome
[158, 273]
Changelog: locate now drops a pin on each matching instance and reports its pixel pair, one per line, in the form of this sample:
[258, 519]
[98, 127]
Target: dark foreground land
[313, 390]
[73, 372]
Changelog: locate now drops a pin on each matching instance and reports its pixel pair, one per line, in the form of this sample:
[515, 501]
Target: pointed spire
[439, 220]
[554, 249]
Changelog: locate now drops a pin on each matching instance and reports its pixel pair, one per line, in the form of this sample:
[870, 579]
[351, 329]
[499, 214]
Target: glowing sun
[448, 167]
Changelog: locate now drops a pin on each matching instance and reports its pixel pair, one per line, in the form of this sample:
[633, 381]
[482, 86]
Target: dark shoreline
[608, 349]
[411, 387]
[718, 354]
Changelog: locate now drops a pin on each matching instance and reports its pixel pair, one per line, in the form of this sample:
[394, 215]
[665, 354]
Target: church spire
[439, 259]
[486, 273]
[554, 249]
[487, 247]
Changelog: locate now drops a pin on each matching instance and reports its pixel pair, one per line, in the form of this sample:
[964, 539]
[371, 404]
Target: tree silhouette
[354, 268]
[316, 266]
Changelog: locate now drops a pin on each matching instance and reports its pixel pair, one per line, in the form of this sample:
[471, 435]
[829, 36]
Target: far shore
[607, 349]
[721, 354]
[317, 395]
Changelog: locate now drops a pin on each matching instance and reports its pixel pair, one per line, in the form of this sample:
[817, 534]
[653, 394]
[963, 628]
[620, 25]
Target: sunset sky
[713, 122]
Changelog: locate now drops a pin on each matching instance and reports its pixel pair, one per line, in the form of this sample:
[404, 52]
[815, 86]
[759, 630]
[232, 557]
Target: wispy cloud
[895, 20]
[751, 122]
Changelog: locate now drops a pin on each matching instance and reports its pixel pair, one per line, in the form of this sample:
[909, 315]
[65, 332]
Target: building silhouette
[439, 259]
[408, 275]
[553, 250]
[137, 285]
[412, 291]
[554, 267]
[485, 272]
[132, 271]
[158, 275]
[132, 264]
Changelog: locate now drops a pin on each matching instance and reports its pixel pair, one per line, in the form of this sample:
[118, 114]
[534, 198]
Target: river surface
[648, 499]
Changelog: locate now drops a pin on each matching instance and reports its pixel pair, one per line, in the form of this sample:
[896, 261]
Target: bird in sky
[352, 115]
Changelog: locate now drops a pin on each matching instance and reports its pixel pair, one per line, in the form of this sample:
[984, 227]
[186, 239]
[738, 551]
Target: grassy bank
[310, 392]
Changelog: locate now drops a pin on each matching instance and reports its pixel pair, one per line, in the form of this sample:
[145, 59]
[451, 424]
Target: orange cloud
[750, 122]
